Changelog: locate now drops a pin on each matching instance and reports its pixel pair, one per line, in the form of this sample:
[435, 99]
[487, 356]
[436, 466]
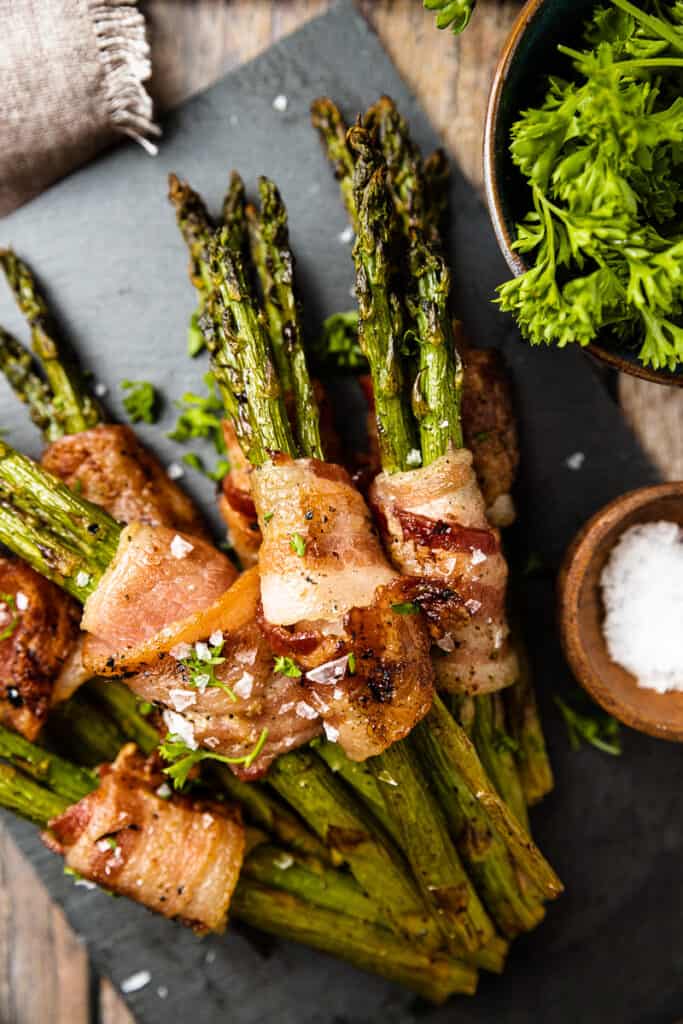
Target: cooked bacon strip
[489, 428]
[328, 592]
[314, 503]
[235, 502]
[179, 857]
[490, 431]
[157, 579]
[435, 528]
[42, 626]
[110, 467]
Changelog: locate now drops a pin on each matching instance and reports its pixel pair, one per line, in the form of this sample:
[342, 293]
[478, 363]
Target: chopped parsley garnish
[145, 708]
[268, 516]
[297, 544]
[201, 667]
[195, 461]
[452, 14]
[195, 338]
[287, 667]
[141, 401]
[351, 664]
[9, 601]
[406, 608]
[590, 724]
[183, 759]
[200, 416]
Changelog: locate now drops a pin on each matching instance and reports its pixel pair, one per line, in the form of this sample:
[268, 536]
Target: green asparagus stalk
[362, 944]
[440, 728]
[533, 763]
[121, 705]
[405, 174]
[62, 536]
[360, 777]
[495, 749]
[20, 794]
[196, 228]
[61, 777]
[274, 262]
[77, 728]
[245, 342]
[18, 367]
[380, 320]
[329, 123]
[78, 409]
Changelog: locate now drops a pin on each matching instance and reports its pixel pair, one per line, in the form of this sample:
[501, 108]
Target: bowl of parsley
[583, 165]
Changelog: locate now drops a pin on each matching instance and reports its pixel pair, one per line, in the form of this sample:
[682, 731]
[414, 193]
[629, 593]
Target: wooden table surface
[45, 977]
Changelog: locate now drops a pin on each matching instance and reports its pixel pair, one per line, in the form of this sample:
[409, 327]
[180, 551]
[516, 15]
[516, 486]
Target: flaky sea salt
[179, 726]
[180, 548]
[280, 103]
[182, 699]
[174, 471]
[244, 685]
[575, 461]
[346, 236]
[642, 591]
[21, 601]
[135, 982]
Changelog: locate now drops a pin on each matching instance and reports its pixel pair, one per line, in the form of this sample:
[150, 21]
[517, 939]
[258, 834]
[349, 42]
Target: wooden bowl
[520, 81]
[581, 613]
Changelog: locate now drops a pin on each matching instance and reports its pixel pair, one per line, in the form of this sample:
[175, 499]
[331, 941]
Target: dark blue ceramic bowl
[520, 81]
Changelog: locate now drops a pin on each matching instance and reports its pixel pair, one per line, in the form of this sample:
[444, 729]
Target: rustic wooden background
[45, 977]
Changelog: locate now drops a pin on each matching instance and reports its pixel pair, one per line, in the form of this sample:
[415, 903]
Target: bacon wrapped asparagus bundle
[114, 829]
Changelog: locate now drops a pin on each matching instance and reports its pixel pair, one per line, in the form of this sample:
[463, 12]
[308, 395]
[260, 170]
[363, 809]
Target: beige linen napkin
[71, 78]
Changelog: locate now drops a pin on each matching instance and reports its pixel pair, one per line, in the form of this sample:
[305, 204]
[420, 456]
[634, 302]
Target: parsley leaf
[200, 416]
[183, 759]
[351, 664]
[10, 603]
[453, 14]
[406, 608]
[297, 544]
[200, 665]
[286, 667]
[592, 725]
[141, 402]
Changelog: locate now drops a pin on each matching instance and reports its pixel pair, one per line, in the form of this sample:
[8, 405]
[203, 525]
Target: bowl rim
[577, 560]
[493, 196]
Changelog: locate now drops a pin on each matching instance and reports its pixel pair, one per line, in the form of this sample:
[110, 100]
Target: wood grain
[44, 973]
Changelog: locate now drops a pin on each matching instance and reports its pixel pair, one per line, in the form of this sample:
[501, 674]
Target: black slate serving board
[611, 949]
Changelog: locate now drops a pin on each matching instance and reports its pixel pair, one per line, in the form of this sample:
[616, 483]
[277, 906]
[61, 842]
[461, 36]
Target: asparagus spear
[61, 777]
[361, 778]
[275, 266]
[18, 367]
[533, 763]
[121, 705]
[329, 123]
[495, 750]
[79, 411]
[78, 729]
[380, 323]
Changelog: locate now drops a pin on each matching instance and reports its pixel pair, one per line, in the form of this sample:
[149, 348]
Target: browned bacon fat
[435, 528]
[38, 632]
[177, 856]
[329, 600]
[110, 467]
[157, 578]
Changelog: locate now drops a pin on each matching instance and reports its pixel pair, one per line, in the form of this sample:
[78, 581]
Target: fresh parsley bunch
[603, 157]
[453, 14]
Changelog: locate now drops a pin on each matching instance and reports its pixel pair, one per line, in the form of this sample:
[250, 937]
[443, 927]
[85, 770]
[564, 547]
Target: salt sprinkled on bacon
[216, 638]
[331, 733]
[330, 672]
[202, 651]
[21, 601]
[478, 556]
[180, 651]
[446, 643]
[180, 548]
[182, 699]
[304, 710]
[473, 606]
[164, 791]
[179, 726]
[244, 686]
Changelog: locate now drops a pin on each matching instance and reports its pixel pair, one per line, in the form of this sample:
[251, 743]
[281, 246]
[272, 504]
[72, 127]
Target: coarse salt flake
[477, 556]
[182, 699]
[244, 685]
[280, 103]
[162, 991]
[216, 638]
[331, 733]
[164, 791]
[642, 591]
[446, 643]
[100, 389]
[180, 548]
[283, 861]
[346, 236]
[575, 461]
[82, 579]
[179, 726]
[304, 710]
[202, 651]
[180, 651]
[135, 982]
[174, 471]
[330, 672]
[21, 601]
